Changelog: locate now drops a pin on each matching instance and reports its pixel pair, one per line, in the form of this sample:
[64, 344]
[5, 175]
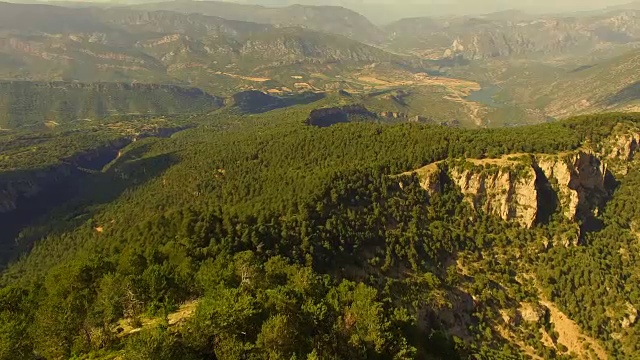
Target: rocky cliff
[507, 191]
[579, 182]
[620, 148]
[527, 188]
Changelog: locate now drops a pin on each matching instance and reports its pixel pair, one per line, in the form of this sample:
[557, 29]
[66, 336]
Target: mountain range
[515, 34]
[384, 12]
[328, 19]
[438, 62]
[120, 44]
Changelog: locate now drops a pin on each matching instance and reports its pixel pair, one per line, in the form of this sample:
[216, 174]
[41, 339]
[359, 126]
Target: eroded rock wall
[517, 189]
[505, 192]
[579, 181]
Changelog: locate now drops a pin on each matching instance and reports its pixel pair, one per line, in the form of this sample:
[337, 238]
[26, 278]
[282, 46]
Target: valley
[223, 56]
[214, 180]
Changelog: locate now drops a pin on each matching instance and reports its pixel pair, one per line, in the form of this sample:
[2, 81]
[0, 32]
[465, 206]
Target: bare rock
[630, 318]
[502, 192]
[518, 189]
[579, 179]
[621, 148]
[624, 146]
[559, 170]
[533, 313]
[510, 317]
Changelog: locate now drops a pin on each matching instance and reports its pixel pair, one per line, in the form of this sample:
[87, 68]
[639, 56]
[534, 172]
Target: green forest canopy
[300, 245]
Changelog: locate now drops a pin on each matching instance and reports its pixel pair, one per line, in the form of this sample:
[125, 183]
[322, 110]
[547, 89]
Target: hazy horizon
[379, 10]
[458, 7]
[386, 11]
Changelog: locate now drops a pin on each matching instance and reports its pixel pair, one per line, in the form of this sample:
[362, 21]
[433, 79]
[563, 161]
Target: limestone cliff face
[579, 180]
[509, 195]
[621, 148]
[524, 189]
[559, 172]
[625, 146]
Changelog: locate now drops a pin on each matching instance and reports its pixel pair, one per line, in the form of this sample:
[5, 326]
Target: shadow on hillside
[548, 201]
[69, 202]
[257, 102]
[581, 68]
[629, 93]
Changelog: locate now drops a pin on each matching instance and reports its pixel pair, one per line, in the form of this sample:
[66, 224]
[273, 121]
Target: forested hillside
[290, 240]
[24, 103]
[210, 180]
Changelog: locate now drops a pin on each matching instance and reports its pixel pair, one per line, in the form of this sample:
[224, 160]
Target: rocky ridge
[528, 188]
[486, 37]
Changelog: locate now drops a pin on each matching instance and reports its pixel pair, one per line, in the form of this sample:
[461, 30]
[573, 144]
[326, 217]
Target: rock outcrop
[393, 115]
[630, 318]
[579, 179]
[620, 148]
[501, 191]
[524, 189]
[625, 146]
[533, 313]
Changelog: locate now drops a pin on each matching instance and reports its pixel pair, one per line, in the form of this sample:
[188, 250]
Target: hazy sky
[540, 5]
[386, 11]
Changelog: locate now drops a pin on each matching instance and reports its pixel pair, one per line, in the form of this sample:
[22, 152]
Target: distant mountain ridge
[329, 19]
[24, 103]
[612, 85]
[516, 34]
[123, 45]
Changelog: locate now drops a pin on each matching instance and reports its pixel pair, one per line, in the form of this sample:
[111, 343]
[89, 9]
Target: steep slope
[274, 224]
[33, 18]
[579, 88]
[25, 103]
[612, 85]
[529, 188]
[168, 22]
